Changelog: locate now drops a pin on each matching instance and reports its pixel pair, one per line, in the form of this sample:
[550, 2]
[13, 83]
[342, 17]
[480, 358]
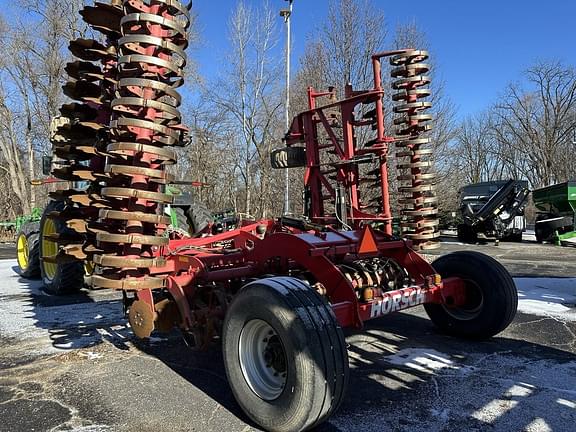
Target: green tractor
[37, 247]
[27, 245]
[187, 216]
[38, 242]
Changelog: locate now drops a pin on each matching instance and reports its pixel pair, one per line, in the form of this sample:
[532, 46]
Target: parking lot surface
[71, 363]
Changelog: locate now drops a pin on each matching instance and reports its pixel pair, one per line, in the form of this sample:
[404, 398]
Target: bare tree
[535, 125]
[475, 151]
[250, 95]
[339, 51]
[208, 159]
[12, 155]
[32, 77]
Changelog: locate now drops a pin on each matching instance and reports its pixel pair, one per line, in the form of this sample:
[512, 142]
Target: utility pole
[286, 14]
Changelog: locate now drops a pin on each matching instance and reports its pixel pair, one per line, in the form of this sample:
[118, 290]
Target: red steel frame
[268, 247]
[193, 262]
[306, 128]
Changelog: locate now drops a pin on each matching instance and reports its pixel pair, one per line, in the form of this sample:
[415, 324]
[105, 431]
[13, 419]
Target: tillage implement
[277, 293]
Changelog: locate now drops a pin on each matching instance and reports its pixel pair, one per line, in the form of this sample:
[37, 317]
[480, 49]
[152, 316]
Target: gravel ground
[72, 364]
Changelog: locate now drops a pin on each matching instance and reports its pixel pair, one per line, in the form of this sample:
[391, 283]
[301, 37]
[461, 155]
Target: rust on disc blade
[128, 284]
[124, 262]
[132, 239]
[79, 111]
[135, 216]
[91, 50]
[141, 318]
[103, 17]
[168, 315]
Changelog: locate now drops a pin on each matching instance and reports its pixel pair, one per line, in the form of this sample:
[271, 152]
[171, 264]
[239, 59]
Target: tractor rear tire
[285, 354]
[491, 296]
[515, 238]
[28, 251]
[181, 219]
[199, 217]
[61, 278]
[545, 227]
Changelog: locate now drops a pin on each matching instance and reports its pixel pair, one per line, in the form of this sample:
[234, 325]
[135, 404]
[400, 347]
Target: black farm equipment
[493, 210]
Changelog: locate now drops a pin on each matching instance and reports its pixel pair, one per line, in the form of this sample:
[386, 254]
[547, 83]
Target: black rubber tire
[31, 231]
[516, 238]
[288, 157]
[181, 219]
[544, 231]
[466, 234]
[499, 295]
[541, 234]
[199, 217]
[69, 277]
[314, 347]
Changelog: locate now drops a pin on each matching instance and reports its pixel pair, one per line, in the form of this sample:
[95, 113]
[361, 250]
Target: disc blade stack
[145, 124]
[80, 134]
[416, 179]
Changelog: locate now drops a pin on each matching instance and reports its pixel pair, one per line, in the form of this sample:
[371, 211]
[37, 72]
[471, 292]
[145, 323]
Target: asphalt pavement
[71, 363]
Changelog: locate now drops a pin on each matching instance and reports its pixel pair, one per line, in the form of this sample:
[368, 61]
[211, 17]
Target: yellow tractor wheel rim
[22, 248]
[49, 248]
[88, 268]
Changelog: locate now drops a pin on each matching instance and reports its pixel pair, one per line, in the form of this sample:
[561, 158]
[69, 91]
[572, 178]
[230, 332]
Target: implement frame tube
[191, 262]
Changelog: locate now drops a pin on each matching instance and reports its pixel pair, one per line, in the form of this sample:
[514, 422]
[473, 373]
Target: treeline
[237, 117]
[529, 133]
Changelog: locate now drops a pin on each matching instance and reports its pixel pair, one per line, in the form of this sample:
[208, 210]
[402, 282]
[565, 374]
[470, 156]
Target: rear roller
[285, 355]
[145, 123]
[491, 296]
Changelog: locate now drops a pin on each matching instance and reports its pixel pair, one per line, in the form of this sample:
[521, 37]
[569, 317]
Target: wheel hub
[274, 354]
[473, 305]
[262, 359]
[49, 248]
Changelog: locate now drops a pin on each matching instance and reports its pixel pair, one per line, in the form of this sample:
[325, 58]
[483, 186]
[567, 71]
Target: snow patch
[425, 360]
[91, 355]
[566, 403]
[25, 316]
[92, 428]
[548, 297]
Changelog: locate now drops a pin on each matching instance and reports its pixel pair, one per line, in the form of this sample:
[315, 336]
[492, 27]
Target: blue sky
[479, 45]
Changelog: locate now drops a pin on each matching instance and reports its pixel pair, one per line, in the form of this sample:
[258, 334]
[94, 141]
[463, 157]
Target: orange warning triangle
[367, 242]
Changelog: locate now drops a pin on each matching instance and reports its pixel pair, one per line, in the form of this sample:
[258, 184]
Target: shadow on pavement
[406, 397]
[500, 384]
[73, 321]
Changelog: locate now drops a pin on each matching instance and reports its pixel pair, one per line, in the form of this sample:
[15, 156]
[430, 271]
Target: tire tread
[507, 296]
[69, 277]
[32, 232]
[324, 341]
[323, 320]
